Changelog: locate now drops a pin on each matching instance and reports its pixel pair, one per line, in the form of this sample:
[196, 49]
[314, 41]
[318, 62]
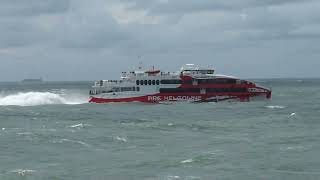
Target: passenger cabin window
[203, 71]
[171, 81]
[124, 89]
[156, 82]
[217, 81]
[210, 72]
[246, 82]
[138, 88]
[115, 89]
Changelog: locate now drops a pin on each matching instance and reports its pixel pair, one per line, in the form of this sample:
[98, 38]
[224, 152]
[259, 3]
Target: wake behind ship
[191, 84]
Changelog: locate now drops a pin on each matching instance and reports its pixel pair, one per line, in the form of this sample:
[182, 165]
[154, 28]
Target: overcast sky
[98, 39]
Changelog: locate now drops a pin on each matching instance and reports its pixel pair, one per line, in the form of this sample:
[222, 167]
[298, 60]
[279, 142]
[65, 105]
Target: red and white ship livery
[191, 84]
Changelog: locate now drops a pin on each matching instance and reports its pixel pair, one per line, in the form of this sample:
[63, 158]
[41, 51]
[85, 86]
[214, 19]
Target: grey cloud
[191, 6]
[89, 25]
[32, 7]
[16, 33]
[18, 19]
[90, 31]
[66, 38]
[263, 19]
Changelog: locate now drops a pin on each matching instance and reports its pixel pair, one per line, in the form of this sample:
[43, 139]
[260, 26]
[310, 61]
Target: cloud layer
[85, 40]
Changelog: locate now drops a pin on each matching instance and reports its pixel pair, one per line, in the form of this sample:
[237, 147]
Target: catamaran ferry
[191, 83]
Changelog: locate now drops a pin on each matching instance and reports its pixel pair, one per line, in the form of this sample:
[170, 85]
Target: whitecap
[173, 177]
[291, 148]
[81, 125]
[23, 172]
[122, 139]
[187, 161]
[72, 141]
[79, 142]
[293, 114]
[77, 126]
[193, 177]
[276, 107]
[24, 133]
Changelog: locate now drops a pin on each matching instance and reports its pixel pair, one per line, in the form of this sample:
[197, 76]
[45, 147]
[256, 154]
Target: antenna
[140, 65]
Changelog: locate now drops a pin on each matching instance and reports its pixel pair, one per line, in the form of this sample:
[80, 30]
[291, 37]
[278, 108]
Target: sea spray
[38, 98]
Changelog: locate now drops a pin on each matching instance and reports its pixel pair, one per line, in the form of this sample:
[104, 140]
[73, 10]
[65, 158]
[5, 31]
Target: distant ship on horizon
[33, 81]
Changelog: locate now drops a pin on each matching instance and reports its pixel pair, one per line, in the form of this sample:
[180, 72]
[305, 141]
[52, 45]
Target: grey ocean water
[50, 132]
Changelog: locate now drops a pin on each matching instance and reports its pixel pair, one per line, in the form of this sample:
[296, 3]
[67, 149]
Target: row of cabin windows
[217, 81]
[197, 90]
[210, 81]
[171, 81]
[223, 81]
[148, 82]
[200, 81]
[157, 82]
[115, 89]
[200, 71]
[122, 89]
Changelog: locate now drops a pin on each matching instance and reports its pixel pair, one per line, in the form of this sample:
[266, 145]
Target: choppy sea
[48, 131]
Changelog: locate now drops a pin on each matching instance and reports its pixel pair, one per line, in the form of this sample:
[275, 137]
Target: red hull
[192, 97]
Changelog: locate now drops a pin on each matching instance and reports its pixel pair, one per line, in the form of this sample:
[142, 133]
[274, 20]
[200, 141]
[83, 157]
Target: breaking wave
[276, 107]
[39, 98]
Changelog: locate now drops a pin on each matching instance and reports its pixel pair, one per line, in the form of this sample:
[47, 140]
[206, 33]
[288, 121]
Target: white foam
[276, 107]
[38, 98]
[24, 133]
[81, 125]
[187, 161]
[122, 139]
[72, 141]
[23, 172]
[290, 148]
[173, 177]
[293, 114]
[193, 177]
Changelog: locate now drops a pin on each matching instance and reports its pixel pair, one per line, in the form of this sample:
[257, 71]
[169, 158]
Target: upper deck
[196, 72]
[153, 74]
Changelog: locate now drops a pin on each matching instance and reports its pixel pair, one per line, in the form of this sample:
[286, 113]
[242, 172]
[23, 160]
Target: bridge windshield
[199, 71]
